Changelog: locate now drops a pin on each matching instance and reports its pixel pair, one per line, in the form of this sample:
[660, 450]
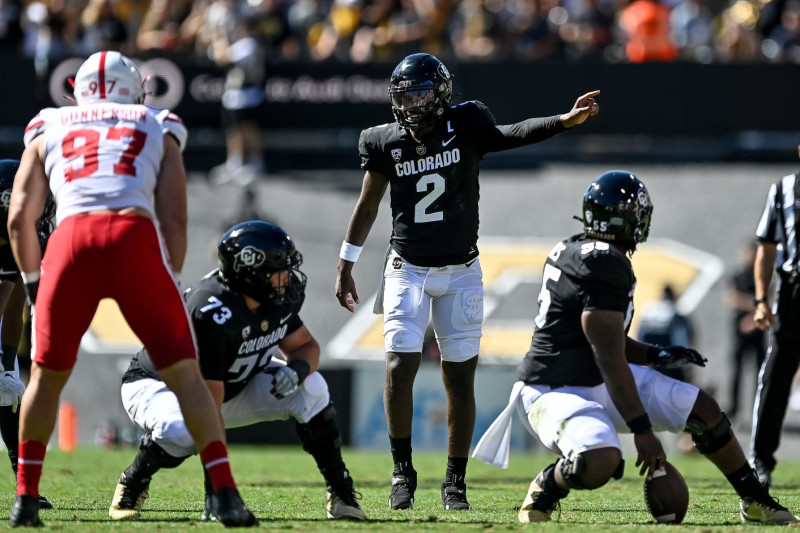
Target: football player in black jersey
[584, 380]
[244, 314]
[429, 159]
[12, 309]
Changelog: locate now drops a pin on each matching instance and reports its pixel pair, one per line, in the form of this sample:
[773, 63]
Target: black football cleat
[209, 514]
[44, 503]
[231, 510]
[342, 501]
[540, 502]
[767, 510]
[764, 473]
[25, 512]
[404, 484]
[129, 496]
[454, 494]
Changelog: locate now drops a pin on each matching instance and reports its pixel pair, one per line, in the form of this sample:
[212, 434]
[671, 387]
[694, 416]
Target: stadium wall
[653, 111]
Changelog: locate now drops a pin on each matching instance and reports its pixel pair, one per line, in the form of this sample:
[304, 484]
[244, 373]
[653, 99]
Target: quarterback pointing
[429, 158]
[244, 313]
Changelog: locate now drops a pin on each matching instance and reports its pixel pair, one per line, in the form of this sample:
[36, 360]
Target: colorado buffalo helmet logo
[248, 258]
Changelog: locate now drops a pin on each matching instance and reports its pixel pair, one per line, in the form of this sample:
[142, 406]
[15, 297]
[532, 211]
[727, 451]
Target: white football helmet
[108, 76]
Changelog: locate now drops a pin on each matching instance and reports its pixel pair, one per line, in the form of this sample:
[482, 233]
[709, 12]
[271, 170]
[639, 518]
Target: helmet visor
[413, 99]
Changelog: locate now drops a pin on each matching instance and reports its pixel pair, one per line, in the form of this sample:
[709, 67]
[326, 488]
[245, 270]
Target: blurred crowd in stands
[227, 31]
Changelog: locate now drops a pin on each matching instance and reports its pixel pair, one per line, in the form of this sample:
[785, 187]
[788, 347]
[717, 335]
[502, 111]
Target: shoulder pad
[198, 294]
[603, 262]
[373, 132]
[172, 124]
[36, 126]
[477, 109]
[379, 126]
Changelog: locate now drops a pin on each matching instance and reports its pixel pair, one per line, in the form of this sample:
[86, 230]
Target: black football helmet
[617, 208]
[8, 169]
[251, 252]
[420, 88]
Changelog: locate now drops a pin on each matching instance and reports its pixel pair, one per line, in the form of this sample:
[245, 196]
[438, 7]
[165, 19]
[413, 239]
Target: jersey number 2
[85, 143]
[420, 210]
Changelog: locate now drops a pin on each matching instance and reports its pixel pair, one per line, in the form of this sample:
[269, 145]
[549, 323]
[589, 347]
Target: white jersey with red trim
[103, 155]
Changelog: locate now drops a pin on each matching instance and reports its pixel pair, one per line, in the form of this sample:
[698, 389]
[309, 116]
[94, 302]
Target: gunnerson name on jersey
[425, 164]
[102, 113]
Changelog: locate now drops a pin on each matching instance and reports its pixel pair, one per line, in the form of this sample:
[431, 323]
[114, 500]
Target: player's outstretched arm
[584, 107]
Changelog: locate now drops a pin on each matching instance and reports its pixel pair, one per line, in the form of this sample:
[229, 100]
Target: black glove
[669, 357]
[31, 289]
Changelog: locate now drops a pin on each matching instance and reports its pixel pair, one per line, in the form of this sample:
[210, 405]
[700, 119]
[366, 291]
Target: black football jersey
[233, 343]
[580, 274]
[434, 188]
[9, 271]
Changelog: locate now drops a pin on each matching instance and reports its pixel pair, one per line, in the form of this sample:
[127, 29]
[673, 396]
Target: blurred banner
[649, 110]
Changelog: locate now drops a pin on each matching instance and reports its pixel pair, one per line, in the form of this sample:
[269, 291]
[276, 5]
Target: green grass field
[283, 488]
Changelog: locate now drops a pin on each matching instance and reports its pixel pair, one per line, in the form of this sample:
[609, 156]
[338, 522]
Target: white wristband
[30, 277]
[350, 252]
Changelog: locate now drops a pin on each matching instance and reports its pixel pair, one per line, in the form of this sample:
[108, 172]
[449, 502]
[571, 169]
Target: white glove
[11, 390]
[285, 382]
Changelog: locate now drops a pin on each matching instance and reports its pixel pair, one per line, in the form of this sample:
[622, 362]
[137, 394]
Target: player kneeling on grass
[243, 314]
[584, 380]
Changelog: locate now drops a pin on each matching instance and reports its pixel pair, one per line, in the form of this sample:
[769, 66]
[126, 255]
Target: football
[666, 495]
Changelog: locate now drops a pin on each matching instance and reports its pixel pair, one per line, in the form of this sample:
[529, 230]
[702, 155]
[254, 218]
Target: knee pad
[173, 436]
[709, 440]
[315, 385]
[572, 471]
[156, 455]
[322, 431]
[402, 336]
[459, 349]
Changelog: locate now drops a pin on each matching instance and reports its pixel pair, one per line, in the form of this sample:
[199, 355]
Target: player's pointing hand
[584, 107]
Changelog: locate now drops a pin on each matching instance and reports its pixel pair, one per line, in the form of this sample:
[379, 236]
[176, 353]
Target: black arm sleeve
[529, 131]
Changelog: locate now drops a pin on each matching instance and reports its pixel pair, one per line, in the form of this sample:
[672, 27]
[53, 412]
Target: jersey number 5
[550, 273]
[85, 143]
